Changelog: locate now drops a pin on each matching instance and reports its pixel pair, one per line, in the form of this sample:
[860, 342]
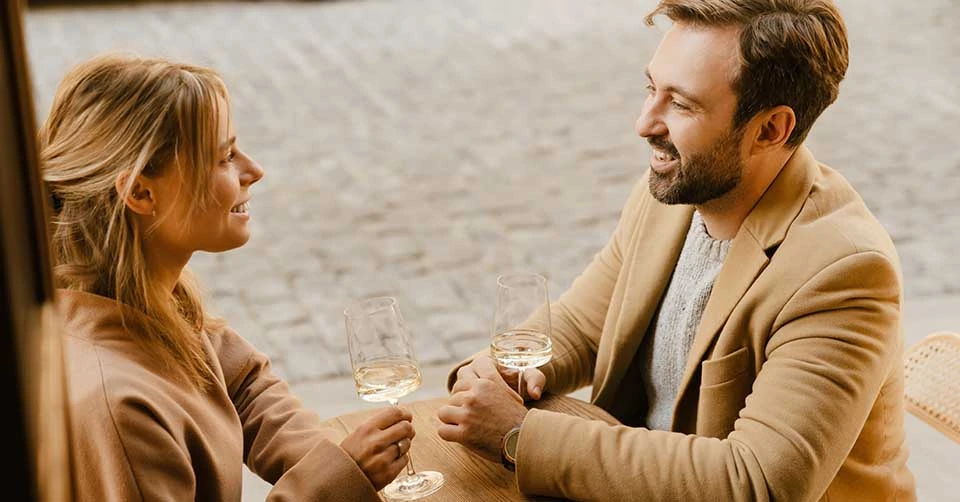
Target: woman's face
[221, 225]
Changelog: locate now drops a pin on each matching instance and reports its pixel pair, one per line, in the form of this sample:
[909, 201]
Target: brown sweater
[138, 435]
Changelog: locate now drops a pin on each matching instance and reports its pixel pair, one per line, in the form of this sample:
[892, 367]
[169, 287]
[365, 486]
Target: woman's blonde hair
[118, 115]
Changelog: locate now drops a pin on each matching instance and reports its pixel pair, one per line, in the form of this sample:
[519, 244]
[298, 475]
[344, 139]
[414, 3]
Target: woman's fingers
[383, 467]
[397, 432]
[388, 417]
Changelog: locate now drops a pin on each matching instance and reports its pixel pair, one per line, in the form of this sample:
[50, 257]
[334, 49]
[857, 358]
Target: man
[743, 322]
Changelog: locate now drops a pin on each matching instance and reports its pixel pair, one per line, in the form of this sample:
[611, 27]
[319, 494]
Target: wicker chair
[932, 378]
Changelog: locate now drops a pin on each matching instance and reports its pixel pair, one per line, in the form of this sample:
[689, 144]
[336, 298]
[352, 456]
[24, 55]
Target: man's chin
[663, 187]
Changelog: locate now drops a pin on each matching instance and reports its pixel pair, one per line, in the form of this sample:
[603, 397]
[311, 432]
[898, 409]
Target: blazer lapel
[743, 264]
[649, 261]
[763, 229]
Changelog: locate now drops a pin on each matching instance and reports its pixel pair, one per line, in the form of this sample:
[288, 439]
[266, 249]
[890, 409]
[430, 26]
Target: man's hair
[792, 52]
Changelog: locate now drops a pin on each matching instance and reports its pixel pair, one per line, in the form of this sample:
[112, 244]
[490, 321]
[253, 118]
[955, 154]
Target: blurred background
[419, 148]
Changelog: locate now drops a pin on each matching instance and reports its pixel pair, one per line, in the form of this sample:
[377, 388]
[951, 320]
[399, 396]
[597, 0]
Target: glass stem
[520, 384]
[410, 470]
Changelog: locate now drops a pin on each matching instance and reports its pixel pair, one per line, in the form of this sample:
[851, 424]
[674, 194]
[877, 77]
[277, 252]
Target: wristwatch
[508, 448]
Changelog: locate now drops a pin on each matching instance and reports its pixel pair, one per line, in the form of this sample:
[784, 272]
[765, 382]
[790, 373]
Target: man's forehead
[702, 59]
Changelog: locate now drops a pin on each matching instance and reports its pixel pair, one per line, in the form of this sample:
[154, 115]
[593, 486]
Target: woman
[166, 402]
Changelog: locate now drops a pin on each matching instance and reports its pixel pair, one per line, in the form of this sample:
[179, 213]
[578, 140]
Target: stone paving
[419, 148]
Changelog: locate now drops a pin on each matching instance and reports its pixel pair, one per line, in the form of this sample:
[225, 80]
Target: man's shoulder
[835, 221]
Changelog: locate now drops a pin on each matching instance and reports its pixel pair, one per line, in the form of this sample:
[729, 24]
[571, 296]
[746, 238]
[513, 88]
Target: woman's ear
[140, 197]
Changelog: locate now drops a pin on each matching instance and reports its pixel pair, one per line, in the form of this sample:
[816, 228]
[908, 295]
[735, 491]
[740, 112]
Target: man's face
[688, 116]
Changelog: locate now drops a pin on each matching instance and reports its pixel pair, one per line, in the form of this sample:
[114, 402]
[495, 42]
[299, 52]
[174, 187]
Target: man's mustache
[661, 143]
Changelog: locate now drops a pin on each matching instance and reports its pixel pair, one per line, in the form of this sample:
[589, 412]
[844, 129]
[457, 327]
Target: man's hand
[479, 413]
[485, 367]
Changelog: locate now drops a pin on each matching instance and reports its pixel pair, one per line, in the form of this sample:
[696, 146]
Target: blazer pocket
[724, 385]
[724, 369]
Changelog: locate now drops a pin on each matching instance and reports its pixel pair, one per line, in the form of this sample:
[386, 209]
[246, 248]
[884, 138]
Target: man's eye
[680, 106]
[651, 89]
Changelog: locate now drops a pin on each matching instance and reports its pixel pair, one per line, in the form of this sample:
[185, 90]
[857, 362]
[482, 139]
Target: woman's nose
[252, 172]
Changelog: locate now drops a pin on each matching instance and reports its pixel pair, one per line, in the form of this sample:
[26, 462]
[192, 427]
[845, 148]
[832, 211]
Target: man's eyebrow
[689, 96]
[228, 143]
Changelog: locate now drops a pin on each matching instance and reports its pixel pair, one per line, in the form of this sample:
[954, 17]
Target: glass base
[413, 487]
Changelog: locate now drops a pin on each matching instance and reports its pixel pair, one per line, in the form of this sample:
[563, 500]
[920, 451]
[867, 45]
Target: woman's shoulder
[225, 339]
[237, 356]
[107, 368]
[114, 373]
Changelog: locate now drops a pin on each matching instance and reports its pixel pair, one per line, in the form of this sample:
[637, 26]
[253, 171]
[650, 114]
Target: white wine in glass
[521, 324]
[386, 380]
[384, 370]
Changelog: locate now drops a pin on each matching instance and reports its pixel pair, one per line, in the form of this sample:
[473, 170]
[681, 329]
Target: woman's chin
[227, 244]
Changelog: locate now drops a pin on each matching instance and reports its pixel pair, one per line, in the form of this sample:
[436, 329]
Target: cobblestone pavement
[419, 148]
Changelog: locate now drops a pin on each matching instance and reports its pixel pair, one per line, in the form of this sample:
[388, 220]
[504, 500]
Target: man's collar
[773, 214]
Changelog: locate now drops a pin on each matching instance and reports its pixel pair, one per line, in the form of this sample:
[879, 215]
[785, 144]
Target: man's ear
[140, 198]
[774, 128]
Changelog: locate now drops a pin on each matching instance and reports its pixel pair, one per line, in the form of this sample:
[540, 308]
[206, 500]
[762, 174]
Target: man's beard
[703, 177]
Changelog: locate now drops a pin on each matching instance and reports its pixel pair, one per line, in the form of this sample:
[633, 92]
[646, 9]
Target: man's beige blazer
[793, 389]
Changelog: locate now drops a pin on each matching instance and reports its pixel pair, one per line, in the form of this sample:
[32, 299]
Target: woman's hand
[379, 446]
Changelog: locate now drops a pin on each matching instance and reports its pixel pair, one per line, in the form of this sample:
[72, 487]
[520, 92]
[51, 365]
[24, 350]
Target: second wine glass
[521, 324]
[384, 370]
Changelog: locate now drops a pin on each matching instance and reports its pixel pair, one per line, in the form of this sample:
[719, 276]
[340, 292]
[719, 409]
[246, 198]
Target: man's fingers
[452, 415]
[486, 367]
[508, 374]
[465, 398]
[535, 381]
[449, 432]
[467, 373]
[462, 385]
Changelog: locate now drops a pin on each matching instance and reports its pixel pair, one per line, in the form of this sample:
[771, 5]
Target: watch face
[511, 447]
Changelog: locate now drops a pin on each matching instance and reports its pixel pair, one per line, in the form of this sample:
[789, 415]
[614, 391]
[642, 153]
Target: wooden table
[467, 477]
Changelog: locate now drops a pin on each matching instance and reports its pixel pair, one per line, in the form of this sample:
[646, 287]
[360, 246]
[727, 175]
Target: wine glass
[385, 369]
[521, 324]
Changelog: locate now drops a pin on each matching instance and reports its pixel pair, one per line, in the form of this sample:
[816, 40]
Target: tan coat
[793, 389]
[137, 435]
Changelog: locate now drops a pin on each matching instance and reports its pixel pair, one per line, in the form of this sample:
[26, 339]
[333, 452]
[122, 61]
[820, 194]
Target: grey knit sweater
[666, 346]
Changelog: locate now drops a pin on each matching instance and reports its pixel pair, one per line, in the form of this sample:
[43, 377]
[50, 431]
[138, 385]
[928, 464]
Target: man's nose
[649, 123]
